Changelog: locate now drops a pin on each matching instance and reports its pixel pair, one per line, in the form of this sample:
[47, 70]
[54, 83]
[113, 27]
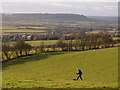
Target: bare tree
[7, 50]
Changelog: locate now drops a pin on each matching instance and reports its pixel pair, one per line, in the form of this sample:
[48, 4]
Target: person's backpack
[80, 72]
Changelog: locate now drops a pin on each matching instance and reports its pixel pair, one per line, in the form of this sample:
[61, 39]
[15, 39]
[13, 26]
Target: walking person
[79, 73]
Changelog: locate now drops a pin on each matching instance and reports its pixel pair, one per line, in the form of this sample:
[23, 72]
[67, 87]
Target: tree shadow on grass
[29, 58]
[34, 57]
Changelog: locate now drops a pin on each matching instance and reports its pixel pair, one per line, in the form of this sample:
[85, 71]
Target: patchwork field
[24, 31]
[58, 69]
[15, 30]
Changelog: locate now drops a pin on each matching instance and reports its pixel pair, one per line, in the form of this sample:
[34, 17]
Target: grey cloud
[88, 8]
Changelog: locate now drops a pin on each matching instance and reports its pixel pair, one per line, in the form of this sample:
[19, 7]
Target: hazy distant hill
[112, 19]
[44, 17]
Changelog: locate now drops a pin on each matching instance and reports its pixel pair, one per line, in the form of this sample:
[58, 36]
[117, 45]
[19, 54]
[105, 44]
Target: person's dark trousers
[80, 76]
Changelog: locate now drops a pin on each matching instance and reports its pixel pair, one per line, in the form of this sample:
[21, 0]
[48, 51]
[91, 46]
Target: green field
[13, 29]
[39, 42]
[35, 27]
[46, 42]
[57, 69]
[20, 31]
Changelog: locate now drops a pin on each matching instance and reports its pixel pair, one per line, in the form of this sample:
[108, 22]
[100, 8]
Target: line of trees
[81, 42]
[18, 49]
[85, 42]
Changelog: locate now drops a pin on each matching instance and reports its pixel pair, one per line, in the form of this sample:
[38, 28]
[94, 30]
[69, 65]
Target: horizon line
[53, 13]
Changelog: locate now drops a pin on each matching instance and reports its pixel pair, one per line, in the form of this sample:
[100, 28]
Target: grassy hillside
[56, 70]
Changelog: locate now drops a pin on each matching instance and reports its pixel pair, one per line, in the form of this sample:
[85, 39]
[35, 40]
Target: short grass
[116, 38]
[58, 69]
[39, 42]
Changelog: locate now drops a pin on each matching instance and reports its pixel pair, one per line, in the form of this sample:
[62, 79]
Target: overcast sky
[59, 0]
[88, 7]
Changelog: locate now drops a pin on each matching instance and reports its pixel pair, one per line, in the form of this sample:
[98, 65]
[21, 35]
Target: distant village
[53, 35]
